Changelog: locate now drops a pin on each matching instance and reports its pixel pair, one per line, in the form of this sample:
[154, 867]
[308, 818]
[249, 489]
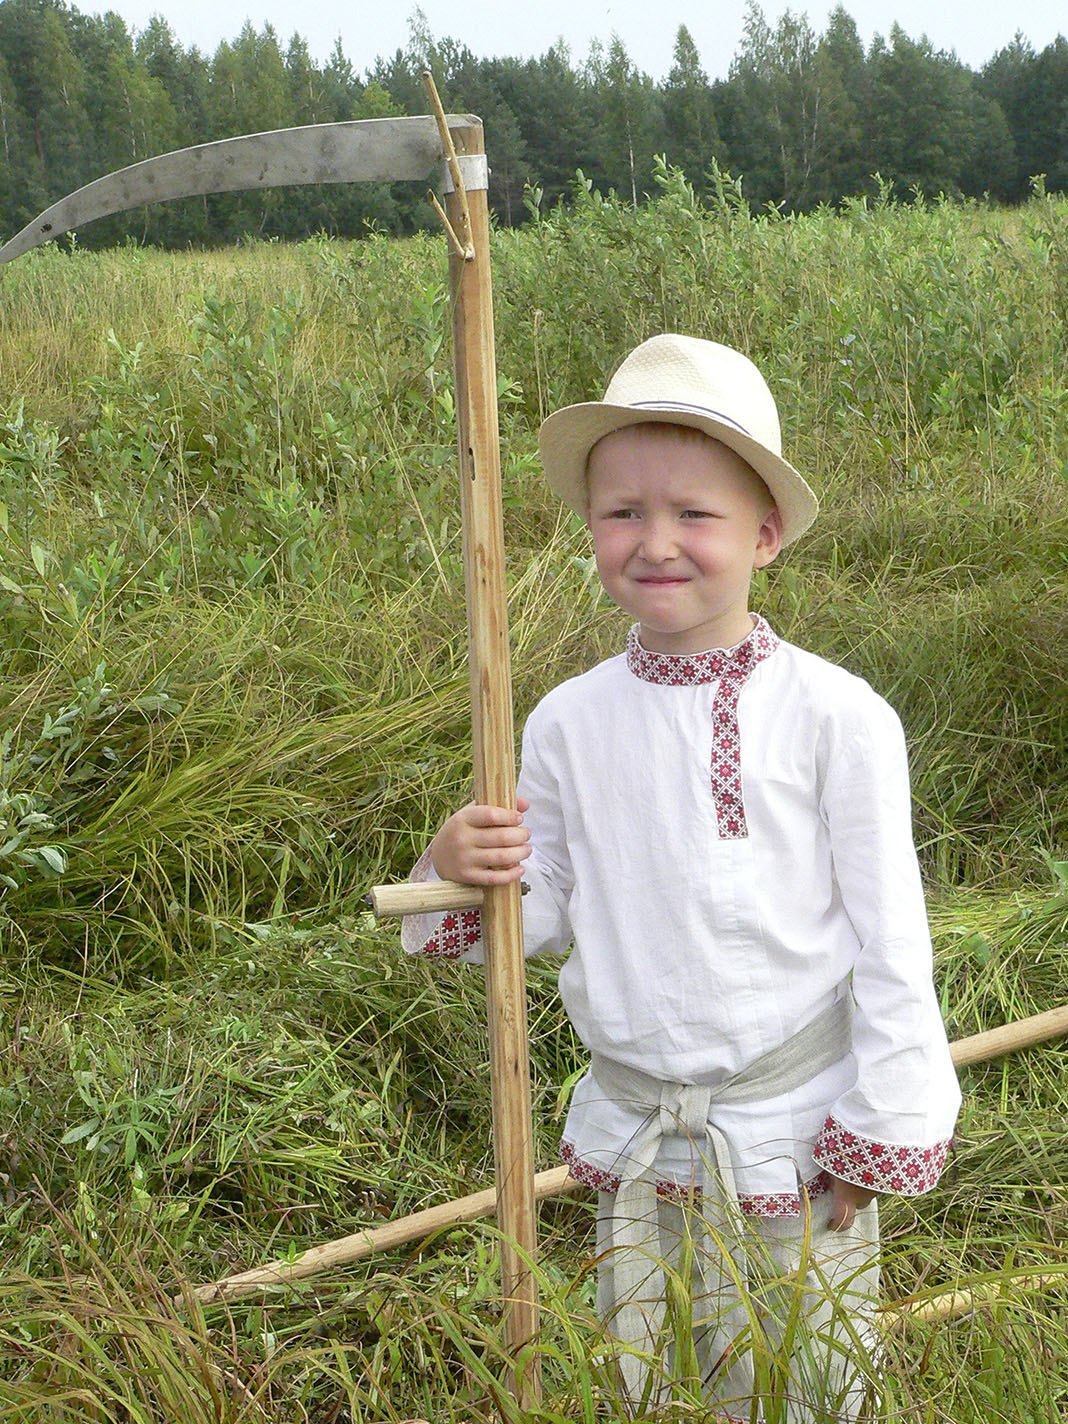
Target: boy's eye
[697, 514]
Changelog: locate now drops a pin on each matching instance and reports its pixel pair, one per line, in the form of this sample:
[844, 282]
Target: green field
[235, 696]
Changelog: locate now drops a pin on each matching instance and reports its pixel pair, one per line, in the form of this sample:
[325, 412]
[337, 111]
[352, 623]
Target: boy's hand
[848, 1199]
[482, 845]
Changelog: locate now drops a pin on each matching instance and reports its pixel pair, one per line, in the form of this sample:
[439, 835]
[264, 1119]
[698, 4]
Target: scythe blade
[372, 150]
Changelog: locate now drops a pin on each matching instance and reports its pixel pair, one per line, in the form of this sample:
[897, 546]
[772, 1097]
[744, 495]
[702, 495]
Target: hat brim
[567, 436]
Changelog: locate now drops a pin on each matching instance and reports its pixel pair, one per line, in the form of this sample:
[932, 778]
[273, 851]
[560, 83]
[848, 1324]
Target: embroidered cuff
[750, 1203]
[459, 930]
[438, 938]
[879, 1166]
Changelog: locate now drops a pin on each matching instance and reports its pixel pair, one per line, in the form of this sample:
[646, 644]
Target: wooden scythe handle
[1010, 1037]
[423, 898]
[494, 753]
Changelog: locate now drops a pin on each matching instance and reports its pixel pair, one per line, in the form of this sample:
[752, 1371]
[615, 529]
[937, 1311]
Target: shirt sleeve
[547, 874]
[891, 1130]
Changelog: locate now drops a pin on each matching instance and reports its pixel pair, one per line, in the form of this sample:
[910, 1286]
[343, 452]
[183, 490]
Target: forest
[802, 119]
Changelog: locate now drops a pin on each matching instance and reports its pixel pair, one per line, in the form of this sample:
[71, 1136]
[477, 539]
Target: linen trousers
[772, 1315]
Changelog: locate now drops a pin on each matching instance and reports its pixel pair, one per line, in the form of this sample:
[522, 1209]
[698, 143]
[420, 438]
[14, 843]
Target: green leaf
[39, 555]
[1058, 868]
[75, 1134]
[978, 946]
[54, 857]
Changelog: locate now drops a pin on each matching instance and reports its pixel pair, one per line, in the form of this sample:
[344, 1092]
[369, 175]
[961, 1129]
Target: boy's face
[679, 523]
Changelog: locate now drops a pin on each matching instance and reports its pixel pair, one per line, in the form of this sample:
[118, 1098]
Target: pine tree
[183, 74]
[1007, 79]
[340, 85]
[130, 112]
[308, 103]
[689, 112]
[629, 124]
[21, 175]
[988, 163]
[1032, 91]
[849, 168]
[1050, 152]
[555, 113]
[249, 93]
[49, 81]
[919, 117]
[249, 86]
[789, 112]
[474, 86]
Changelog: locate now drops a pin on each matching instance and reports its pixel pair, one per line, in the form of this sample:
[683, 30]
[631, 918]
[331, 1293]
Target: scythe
[409, 149]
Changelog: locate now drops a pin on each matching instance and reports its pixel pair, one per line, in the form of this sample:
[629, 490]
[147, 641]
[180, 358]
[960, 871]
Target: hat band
[681, 406]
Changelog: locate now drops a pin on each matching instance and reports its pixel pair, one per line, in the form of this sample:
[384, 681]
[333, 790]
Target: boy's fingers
[848, 1199]
[484, 816]
[842, 1213]
[497, 857]
[481, 875]
[494, 857]
[497, 837]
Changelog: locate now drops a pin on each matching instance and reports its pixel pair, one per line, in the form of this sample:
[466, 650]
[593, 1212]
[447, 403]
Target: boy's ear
[769, 540]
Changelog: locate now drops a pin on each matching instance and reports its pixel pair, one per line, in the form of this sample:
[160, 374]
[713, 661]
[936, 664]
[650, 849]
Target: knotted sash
[688, 1109]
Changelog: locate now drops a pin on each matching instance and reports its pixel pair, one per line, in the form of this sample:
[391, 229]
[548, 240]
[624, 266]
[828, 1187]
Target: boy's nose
[657, 543]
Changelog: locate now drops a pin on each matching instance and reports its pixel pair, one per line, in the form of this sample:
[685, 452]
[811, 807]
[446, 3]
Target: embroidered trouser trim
[801, 1334]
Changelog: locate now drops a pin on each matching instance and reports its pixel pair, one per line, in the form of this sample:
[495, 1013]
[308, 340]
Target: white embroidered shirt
[725, 839]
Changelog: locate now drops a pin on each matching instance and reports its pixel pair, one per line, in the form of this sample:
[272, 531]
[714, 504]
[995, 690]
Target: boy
[720, 824]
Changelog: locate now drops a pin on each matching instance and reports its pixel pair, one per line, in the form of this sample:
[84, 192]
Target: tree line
[803, 118]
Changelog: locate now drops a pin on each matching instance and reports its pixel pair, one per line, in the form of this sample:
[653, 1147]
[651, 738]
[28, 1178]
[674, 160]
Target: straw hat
[681, 380]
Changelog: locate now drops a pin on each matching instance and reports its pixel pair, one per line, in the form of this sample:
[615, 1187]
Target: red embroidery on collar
[732, 667]
[691, 669]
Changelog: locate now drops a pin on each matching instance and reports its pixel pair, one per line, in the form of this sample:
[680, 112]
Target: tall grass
[235, 695]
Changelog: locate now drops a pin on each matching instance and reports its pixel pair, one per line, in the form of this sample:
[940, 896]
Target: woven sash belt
[687, 1110]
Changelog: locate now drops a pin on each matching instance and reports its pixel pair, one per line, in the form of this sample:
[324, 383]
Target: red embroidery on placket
[732, 667]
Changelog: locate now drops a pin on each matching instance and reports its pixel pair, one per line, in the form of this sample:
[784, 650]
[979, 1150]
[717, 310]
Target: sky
[974, 29]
